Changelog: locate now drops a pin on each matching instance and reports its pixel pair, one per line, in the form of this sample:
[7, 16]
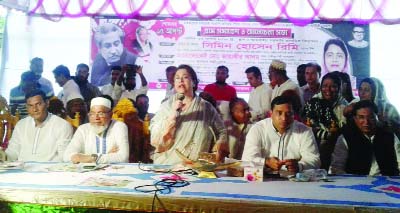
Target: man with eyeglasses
[358, 38]
[41, 136]
[102, 140]
[365, 148]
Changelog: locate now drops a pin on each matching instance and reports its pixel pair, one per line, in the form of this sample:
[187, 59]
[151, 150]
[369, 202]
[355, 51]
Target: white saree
[194, 132]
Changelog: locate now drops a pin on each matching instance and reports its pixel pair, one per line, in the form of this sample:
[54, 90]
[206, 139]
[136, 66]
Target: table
[114, 188]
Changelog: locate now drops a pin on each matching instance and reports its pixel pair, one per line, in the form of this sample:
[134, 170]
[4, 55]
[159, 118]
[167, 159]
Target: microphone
[180, 97]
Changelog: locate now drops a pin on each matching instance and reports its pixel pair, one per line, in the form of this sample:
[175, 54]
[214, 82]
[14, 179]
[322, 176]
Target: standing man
[220, 90]
[260, 96]
[88, 90]
[37, 68]
[109, 40]
[313, 73]
[129, 81]
[102, 140]
[17, 94]
[169, 73]
[277, 74]
[70, 88]
[41, 136]
[281, 141]
[109, 88]
[301, 78]
[365, 148]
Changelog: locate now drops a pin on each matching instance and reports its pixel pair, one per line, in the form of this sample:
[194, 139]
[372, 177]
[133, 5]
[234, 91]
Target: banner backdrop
[206, 44]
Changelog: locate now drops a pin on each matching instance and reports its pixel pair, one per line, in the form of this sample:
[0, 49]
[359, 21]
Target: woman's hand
[222, 151]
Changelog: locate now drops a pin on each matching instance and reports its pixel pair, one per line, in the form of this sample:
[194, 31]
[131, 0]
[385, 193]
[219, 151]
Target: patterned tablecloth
[114, 188]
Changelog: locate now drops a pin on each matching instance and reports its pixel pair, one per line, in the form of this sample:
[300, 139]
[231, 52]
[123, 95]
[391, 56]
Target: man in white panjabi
[277, 74]
[64, 79]
[280, 141]
[260, 96]
[41, 136]
[102, 140]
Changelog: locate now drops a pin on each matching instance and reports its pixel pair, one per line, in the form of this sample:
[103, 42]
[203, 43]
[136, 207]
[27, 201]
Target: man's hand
[121, 75]
[292, 165]
[139, 70]
[273, 163]
[222, 151]
[114, 149]
[81, 158]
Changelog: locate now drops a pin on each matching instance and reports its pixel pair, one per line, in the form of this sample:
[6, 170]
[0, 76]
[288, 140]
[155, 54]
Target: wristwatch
[94, 157]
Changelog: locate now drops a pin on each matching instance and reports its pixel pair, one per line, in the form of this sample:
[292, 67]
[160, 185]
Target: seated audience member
[88, 90]
[17, 94]
[129, 81]
[260, 96]
[277, 74]
[372, 89]
[279, 140]
[238, 126]
[365, 148]
[312, 75]
[324, 114]
[56, 107]
[186, 125]
[220, 90]
[76, 109]
[64, 79]
[102, 140]
[41, 136]
[142, 105]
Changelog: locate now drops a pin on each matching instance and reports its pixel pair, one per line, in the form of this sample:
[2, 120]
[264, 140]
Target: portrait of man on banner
[358, 40]
[109, 39]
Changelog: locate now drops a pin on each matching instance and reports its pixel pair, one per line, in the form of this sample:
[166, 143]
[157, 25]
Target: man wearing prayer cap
[277, 75]
[102, 140]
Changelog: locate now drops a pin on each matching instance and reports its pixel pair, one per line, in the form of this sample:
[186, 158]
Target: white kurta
[44, 81]
[46, 142]
[287, 85]
[341, 153]
[70, 90]
[85, 142]
[120, 93]
[109, 90]
[260, 102]
[298, 142]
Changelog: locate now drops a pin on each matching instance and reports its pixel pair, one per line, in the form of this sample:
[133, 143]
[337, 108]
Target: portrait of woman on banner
[336, 57]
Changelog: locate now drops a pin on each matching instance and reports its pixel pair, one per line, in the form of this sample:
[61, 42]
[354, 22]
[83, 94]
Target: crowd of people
[283, 126]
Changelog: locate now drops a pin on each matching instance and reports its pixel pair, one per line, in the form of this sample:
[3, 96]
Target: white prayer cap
[278, 65]
[74, 96]
[100, 101]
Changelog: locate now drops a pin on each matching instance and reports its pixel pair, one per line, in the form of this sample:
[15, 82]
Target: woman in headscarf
[187, 123]
[324, 113]
[372, 89]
